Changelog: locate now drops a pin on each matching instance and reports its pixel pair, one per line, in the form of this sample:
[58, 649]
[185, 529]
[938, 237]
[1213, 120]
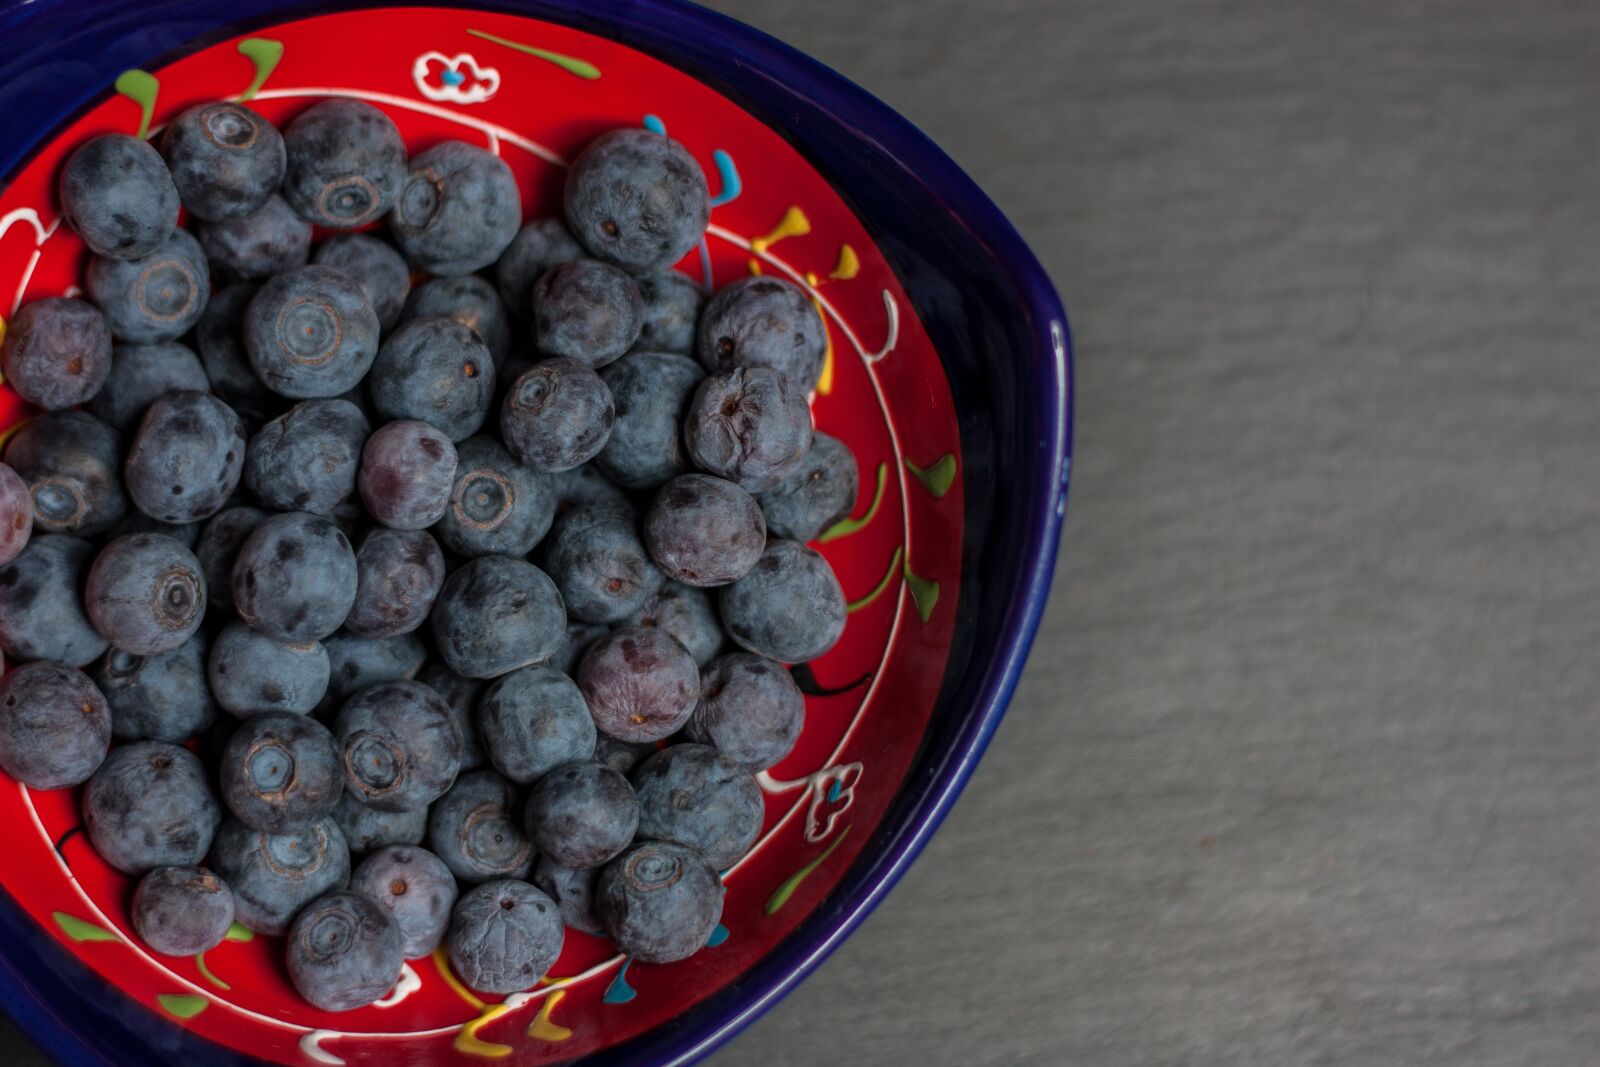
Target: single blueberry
[181, 911]
[476, 829]
[295, 577]
[273, 876]
[346, 163]
[56, 352]
[280, 771]
[398, 576]
[157, 698]
[557, 415]
[253, 674]
[698, 796]
[158, 297]
[532, 721]
[704, 531]
[268, 241]
[750, 708]
[145, 593]
[41, 604]
[344, 951]
[311, 332]
[437, 371]
[72, 464]
[306, 459]
[407, 471]
[671, 310]
[374, 265]
[764, 321]
[186, 457]
[119, 196]
[400, 744]
[496, 614]
[504, 936]
[498, 506]
[55, 728]
[659, 901]
[458, 210]
[640, 684]
[789, 607]
[816, 494]
[686, 613]
[149, 806]
[582, 814]
[749, 425]
[651, 391]
[416, 888]
[141, 374]
[597, 560]
[225, 159]
[586, 310]
[637, 199]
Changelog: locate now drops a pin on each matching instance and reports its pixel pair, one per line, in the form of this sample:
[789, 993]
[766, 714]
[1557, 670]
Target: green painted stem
[142, 89]
[938, 477]
[781, 896]
[846, 527]
[878, 590]
[205, 972]
[265, 54]
[571, 64]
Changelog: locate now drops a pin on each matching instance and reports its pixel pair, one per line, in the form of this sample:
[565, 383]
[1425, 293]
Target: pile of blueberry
[457, 559]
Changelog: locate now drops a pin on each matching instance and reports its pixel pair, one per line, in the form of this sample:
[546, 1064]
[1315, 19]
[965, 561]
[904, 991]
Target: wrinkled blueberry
[671, 309]
[504, 936]
[640, 684]
[764, 321]
[496, 614]
[598, 562]
[56, 353]
[789, 607]
[461, 694]
[149, 806]
[145, 593]
[476, 829]
[186, 457]
[659, 901]
[119, 196]
[306, 459]
[253, 674]
[280, 771]
[815, 495]
[311, 332]
[407, 471]
[686, 613]
[225, 159]
[158, 297]
[295, 577]
[557, 415]
[182, 911]
[357, 662]
[344, 951]
[498, 506]
[366, 829]
[400, 743]
[55, 728]
[750, 708]
[219, 338]
[704, 531]
[586, 310]
[218, 548]
[572, 888]
[275, 875]
[268, 241]
[469, 300]
[141, 374]
[16, 514]
[532, 721]
[458, 210]
[398, 575]
[346, 163]
[651, 391]
[436, 371]
[748, 425]
[416, 888]
[698, 796]
[41, 606]
[637, 199]
[72, 464]
[375, 266]
[582, 814]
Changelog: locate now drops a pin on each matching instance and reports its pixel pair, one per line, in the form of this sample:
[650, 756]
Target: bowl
[948, 375]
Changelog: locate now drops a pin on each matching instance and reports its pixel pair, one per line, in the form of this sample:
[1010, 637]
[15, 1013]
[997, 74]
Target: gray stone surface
[1303, 770]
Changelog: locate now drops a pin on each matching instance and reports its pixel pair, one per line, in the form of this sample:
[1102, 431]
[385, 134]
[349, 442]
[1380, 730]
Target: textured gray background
[1303, 770]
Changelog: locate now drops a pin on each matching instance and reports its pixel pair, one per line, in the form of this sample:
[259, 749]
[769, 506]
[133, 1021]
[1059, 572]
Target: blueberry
[400, 743]
[158, 297]
[579, 636]
[599, 564]
[295, 577]
[145, 593]
[357, 662]
[118, 194]
[476, 829]
[504, 936]
[458, 210]
[268, 241]
[280, 771]
[141, 374]
[149, 806]
[704, 531]
[461, 694]
[815, 495]
[376, 267]
[158, 698]
[640, 684]
[698, 796]
[557, 415]
[311, 332]
[749, 425]
[56, 727]
[586, 310]
[56, 352]
[498, 506]
[346, 163]
[764, 321]
[538, 246]
[637, 199]
[41, 607]
[623, 757]
[416, 888]
[253, 674]
[532, 721]
[219, 338]
[687, 614]
[344, 951]
[275, 875]
[182, 911]
[496, 614]
[582, 814]
[306, 459]
[472, 302]
[72, 464]
[16, 514]
[651, 391]
[186, 534]
[671, 309]
[218, 548]
[586, 485]
[398, 575]
[436, 371]
[572, 888]
[789, 607]
[225, 160]
[366, 829]
[659, 901]
[750, 708]
[407, 471]
[186, 457]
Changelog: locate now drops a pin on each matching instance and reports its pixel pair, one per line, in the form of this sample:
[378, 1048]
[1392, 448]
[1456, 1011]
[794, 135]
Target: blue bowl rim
[1049, 478]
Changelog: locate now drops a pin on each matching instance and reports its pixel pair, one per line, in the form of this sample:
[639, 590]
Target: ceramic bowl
[948, 375]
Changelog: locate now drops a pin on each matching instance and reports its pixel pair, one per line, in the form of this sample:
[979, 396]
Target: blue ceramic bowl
[982, 300]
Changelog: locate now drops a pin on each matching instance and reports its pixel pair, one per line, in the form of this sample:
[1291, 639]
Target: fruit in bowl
[924, 632]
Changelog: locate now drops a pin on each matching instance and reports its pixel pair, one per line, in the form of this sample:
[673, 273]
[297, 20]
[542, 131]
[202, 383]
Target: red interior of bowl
[535, 93]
